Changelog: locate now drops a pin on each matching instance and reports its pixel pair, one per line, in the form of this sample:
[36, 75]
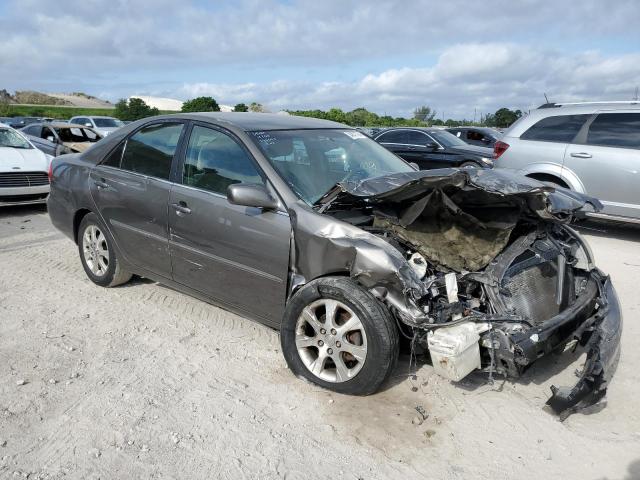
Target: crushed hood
[542, 200]
[458, 219]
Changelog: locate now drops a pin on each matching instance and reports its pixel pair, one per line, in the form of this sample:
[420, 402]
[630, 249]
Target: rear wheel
[337, 335]
[97, 255]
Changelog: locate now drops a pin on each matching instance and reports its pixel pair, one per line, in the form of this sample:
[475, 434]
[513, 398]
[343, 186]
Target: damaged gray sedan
[310, 227]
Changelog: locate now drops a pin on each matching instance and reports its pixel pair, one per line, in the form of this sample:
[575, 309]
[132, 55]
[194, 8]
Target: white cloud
[461, 80]
[389, 56]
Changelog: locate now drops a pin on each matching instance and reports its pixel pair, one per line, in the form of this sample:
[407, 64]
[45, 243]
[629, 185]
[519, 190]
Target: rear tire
[337, 335]
[97, 254]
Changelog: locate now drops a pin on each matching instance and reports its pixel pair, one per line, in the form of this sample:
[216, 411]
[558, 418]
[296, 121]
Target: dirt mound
[36, 98]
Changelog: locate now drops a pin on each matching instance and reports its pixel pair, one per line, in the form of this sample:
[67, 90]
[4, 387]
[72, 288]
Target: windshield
[107, 122]
[313, 161]
[11, 138]
[447, 139]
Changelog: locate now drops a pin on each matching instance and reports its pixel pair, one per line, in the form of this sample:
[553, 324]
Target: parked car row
[591, 148]
[434, 148]
[26, 154]
[57, 138]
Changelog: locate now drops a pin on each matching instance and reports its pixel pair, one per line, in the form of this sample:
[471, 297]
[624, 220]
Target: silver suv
[592, 148]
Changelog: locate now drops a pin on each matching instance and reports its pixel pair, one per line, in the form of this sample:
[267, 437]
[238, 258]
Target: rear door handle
[580, 154]
[181, 207]
[101, 184]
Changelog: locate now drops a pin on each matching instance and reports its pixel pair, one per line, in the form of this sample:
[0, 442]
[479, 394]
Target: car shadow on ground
[7, 211]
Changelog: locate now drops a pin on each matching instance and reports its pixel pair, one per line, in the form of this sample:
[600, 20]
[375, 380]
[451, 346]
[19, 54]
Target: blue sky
[388, 56]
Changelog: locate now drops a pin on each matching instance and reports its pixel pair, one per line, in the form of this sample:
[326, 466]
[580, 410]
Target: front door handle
[580, 155]
[101, 184]
[181, 208]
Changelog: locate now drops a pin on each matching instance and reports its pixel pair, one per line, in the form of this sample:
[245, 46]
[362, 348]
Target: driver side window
[214, 161]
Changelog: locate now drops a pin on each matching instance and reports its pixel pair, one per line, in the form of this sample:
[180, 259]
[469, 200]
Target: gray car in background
[591, 148]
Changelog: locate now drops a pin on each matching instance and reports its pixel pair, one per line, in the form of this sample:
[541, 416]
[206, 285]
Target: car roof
[421, 129]
[92, 116]
[57, 125]
[553, 110]
[250, 121]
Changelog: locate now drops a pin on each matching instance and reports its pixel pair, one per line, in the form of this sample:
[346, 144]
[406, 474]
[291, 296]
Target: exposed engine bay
[486, 275]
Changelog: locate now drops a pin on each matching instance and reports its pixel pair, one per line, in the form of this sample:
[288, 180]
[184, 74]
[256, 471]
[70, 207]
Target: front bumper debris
[600, 334]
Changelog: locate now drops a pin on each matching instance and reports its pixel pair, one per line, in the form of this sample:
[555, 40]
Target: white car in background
[24, 169]
[103, 125]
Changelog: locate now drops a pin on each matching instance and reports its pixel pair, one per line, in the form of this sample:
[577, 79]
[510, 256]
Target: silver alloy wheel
[96, 250]
[331, 340]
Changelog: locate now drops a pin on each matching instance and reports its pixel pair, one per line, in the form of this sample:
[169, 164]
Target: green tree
[133, 109]
[336, 114]
[5, 109]
[424, 114]
[503, 118]
[240, 107]
[256, 107]
[201, 104]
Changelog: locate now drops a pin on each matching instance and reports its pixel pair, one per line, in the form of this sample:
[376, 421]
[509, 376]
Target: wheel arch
[77, 219]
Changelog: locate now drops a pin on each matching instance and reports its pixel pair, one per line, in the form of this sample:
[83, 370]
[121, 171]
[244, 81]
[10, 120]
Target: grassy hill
[54, 111]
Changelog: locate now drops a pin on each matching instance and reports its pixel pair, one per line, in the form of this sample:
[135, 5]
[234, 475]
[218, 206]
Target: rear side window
[150, 150]
[417, 138]
[34, 130]
[215, 160]
[396, 136]
[615, 130]
[560, 128]
[473, 135]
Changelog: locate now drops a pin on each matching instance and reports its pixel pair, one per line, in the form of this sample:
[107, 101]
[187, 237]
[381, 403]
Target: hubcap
[331, 340]
[96, 250]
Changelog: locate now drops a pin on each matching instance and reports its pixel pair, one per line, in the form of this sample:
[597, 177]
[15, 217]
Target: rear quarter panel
[69, 191]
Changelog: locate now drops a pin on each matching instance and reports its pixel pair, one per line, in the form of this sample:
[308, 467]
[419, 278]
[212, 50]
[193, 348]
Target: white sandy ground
[144, 382]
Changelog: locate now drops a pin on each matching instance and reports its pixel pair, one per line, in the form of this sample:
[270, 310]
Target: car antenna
[545, 97]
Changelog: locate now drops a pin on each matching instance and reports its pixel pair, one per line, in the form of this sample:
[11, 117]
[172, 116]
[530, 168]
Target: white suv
[592, 148]
[103, 125]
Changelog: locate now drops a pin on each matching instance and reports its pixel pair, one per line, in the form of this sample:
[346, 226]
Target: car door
[606, 158]
[236, 255]
[131, 191]
[424, 150]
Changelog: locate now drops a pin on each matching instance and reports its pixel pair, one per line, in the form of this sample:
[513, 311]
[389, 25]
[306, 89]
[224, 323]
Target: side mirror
[431, 146]
[88, 124]
[51, 139]
[251, 195]
[415, 165]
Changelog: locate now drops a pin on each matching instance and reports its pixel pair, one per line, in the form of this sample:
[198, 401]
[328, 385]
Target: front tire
[97, 254]
[337, 335]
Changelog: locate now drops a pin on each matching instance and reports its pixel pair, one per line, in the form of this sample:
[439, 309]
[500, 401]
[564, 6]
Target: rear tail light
[51, 170]
[499, 148]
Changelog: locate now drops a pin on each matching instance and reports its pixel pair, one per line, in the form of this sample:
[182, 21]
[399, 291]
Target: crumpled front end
[478, 266]
[600, 335]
